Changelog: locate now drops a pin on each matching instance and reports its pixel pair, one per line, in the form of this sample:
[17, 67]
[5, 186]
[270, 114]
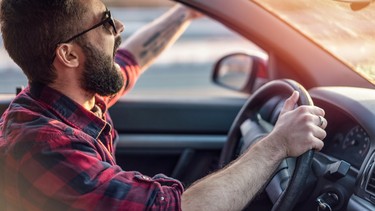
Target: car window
[11, 76]
[184, 70]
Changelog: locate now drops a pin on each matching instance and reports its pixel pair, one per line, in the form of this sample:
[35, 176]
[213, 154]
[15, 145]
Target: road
[186, 66]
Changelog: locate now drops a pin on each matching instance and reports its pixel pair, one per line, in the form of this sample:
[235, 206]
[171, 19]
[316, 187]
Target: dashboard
[346, 139]
[350, 113]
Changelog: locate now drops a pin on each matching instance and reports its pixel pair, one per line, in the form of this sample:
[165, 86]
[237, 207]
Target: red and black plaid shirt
[56, 155]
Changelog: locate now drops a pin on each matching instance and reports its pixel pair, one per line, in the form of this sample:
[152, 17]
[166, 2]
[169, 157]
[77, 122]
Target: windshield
[341, 28]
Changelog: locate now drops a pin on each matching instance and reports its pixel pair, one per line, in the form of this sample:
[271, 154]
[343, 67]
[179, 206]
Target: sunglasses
[108, 20]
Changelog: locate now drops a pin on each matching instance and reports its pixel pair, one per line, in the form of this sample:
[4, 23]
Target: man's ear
[67, 55]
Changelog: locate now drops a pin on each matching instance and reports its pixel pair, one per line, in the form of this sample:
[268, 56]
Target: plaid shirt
[56, 155]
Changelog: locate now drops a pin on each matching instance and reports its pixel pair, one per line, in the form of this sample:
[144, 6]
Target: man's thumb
[290, 102]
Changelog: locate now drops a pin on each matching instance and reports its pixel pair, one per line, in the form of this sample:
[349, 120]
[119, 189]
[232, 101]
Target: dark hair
[32, 29]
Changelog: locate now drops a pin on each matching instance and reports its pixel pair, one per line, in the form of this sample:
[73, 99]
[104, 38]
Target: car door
[178, 138]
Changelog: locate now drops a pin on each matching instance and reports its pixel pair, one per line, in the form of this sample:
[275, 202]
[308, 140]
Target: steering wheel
[248, 126]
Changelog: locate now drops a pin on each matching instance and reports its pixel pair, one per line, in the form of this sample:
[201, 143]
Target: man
[57, 138]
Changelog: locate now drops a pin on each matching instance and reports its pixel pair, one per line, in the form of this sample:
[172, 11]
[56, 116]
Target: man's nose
[119, 26]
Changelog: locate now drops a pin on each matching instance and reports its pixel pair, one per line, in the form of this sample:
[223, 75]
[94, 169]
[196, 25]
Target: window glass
[183, 70]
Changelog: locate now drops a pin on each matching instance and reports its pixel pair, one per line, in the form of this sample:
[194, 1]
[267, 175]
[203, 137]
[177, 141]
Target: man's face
[100, 75]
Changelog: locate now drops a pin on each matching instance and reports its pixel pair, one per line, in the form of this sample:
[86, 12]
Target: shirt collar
[69, 111]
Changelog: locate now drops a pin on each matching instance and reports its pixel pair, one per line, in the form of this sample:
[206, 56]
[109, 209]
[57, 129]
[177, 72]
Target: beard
[100, 75]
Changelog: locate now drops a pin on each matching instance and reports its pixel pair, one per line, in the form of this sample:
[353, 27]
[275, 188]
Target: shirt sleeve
[69, 174]
[131, 72]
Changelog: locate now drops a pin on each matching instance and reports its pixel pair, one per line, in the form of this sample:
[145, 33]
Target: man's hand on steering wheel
[291, 128]
[284, 110]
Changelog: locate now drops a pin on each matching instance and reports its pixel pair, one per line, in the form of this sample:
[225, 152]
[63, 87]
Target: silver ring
[320, 121]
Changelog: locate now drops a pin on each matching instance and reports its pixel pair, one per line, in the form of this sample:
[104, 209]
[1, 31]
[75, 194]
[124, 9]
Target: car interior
[188, 138]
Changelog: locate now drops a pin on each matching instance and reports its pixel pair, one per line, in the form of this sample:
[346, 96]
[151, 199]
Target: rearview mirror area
[356, 5]
[241, 72]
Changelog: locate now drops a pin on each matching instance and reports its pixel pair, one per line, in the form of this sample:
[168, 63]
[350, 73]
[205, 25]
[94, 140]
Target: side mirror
[241, 72]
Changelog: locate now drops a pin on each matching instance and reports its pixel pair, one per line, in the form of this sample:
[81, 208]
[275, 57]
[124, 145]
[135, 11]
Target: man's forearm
[150, 41]
[233, 187]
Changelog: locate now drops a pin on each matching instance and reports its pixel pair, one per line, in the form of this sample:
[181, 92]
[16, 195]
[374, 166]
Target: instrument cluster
[351, 145]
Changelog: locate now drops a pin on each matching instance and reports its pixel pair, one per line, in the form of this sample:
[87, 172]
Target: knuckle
[303, 109]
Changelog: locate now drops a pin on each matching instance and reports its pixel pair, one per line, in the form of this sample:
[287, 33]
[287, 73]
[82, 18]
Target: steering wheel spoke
[280, 180]
[251, 132]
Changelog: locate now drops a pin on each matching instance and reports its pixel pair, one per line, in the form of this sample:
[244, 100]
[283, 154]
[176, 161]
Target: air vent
[370, 186]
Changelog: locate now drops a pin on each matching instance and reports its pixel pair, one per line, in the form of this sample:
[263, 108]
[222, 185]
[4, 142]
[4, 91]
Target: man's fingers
[318, 144]
[321, 122]
[318, 111]
[290, 102]
[320, 133]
